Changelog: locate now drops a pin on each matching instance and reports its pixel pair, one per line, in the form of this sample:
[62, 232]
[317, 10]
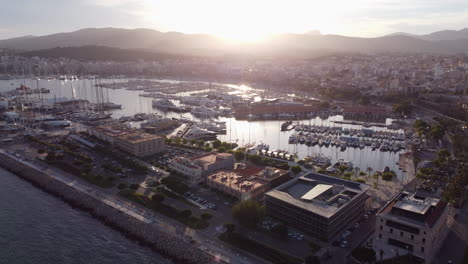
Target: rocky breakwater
[134, 226]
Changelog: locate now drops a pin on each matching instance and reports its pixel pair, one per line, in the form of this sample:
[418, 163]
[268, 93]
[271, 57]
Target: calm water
[38, 228]
[243, 132]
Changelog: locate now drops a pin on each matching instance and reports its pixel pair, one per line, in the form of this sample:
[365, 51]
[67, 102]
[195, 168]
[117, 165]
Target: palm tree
[356, 169]
[369, 170]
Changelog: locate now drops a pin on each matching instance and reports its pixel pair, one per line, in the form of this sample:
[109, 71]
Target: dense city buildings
[411, 223]
[318, 204]
[140, 144]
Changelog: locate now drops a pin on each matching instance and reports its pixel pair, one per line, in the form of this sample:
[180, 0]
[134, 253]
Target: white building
[411, 224]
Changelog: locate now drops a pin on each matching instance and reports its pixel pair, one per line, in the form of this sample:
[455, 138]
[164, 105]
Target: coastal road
[206, 242]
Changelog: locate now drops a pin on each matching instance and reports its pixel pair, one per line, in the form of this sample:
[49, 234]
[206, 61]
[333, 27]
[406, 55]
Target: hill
[295, 45]
[438, 35]
[97, 53]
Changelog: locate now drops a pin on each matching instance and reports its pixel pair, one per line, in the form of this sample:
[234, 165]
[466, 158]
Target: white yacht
[198, 134]
[166, 105]
[204, 112]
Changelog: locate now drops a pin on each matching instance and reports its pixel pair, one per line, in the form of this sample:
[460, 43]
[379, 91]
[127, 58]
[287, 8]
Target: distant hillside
[290, 45]
[438, 35]
[97, 53]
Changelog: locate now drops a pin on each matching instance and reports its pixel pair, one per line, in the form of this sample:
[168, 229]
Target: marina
[374, 146]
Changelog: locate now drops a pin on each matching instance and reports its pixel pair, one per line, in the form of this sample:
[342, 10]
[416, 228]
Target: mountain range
[287, 44]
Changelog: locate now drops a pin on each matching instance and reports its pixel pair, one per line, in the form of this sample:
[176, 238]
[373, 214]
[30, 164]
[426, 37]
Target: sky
[235, 19]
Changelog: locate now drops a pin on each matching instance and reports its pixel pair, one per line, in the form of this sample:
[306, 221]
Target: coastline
[135, 227]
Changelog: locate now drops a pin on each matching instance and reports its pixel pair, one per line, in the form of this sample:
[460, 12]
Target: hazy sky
[238, 19]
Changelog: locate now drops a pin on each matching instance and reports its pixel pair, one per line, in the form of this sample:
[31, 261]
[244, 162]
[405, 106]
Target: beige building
[188, 168]
[247, 182]
[412, 224]
[140, 144]
[236, 185]
[109, 132]
[198, 167]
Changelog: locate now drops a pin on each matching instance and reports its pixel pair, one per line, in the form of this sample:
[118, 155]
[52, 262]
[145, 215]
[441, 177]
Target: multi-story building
[192, 171]
[109, 132]
[413, 224]
[238, 186]
[197, 168]
[365, 113]
[140, 144]
[318, 204]
[247, 182]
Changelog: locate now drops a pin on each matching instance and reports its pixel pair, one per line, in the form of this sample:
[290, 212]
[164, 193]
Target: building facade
[197, 168]
[109, 132]
[141, 144]
[412, 224]
[238, 186]
[318, 204]
[246, 183]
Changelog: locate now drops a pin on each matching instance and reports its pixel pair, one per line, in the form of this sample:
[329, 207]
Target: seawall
[131, 226]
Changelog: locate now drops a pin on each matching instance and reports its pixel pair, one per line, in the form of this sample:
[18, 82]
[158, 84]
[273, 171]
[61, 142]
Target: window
[401, 234]
[412, 237]
[422, 249]
[381, 227]
[424, 240]
[380, 235]
[391, 230]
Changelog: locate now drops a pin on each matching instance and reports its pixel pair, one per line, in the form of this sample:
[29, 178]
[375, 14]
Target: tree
[200, 143]
[364, 254]
[421, 127]
[369, 170]
[248, 212]
[206, 216]
[221, 149]
[356, 170]
[216, 144]
[437, 132]
[122, 186]
[312, 260]
[185, 213]
[296, 169]
[230, 227]
[157, 198]
[239, 155]
[403, 108]
[387, 176]
[364, 100]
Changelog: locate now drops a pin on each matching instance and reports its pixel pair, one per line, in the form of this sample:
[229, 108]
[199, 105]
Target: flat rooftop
[321, 194]
[138, 137]
[236, 181]
[411, 207]
[211, 157]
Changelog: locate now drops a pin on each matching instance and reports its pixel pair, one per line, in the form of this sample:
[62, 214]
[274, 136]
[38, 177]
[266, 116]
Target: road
[204, 241]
